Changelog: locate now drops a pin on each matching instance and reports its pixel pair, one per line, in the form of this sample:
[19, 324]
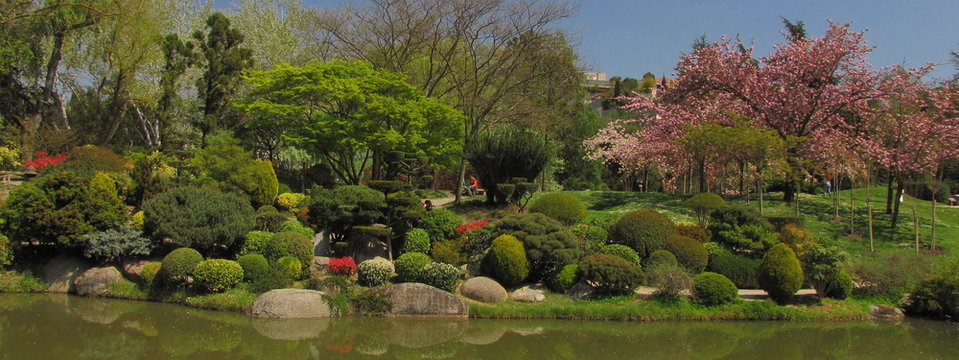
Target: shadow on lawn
[610, 200]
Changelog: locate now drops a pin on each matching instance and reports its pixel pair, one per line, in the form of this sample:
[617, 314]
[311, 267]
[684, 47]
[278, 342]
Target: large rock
[96, 281]
[484, 289]
[322, 244]
[414, 299]
[290, 303]
[61, 272]
[581, 291]
[133, 268]
[320, 267]
[529, 293]
[886, 312]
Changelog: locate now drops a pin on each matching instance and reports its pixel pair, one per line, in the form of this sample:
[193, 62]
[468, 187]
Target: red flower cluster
[471, 226]
[344, 266]
[41, 160]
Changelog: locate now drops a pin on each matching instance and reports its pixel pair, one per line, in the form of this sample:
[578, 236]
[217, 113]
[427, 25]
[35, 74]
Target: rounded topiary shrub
[591, 238]
[216, 275]
[374, 272]
[842, 286]
[780, 273]
[702, 204]
[417, 240]
[622, 251]
[440, 275]
[643, 230]
[739, 269]
[713, 289]
[690, 253]
[441, 224]
[564, 279]
[548, 244]
[692, 230]
[507, 260]
[297, 227]
[149, 272]
[408, 266]
[178, 264]
[267, 218]
[291, 201]
[254, 242]
[660, 258]
[254, 266]
[740, 228]
[200, 218]
[564, 207]
[291, 265]
[289, 243]
[611, 275]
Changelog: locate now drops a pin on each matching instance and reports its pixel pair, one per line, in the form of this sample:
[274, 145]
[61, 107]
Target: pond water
[47, 326]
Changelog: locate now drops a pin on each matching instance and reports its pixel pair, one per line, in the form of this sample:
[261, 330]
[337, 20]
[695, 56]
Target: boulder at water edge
[132, 269]
[61, 271]
[484, 289]
[530, 293]
[97, 281]
[290, 303]
[423, 300]
[886, 312]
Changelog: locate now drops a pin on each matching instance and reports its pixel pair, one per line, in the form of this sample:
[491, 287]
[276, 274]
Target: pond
[48, 326]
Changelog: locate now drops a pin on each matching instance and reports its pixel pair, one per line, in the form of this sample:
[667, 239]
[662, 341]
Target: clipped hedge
[564, 207]
[200, 218]
[291, 265]
[710, 289]
[254, 266]
[690, 253]
[549, 246]
[507, 260]
[780, 273]
[739, 269]
[692, 230]
[564, 279]
[255, 242]
[611, 275]
[408, 266]
[374, 272]
[440, 275]
[643, 230]
[179, 264]
[417, 240]
[622, 251]
[297, 227]
[149, 272]
[216, 275]
[660, 258]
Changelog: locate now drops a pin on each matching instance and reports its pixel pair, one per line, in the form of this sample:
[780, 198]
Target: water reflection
[58, 326]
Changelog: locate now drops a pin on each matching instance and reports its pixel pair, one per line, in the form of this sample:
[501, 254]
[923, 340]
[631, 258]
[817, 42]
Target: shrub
[338, 210]
[386, 186]
[741, 229]
[841, 286]
[441, 224]
[216, 275]
[408, 266]
[374, 272]
[715, 249]
[802, 241]
[823, 269]
[548, 244]
[507, 259]
[450, 252]
[464, 228]
[289, 244]
[344, 266]
[86, 160]
[780, 221]
[890, 274]
[115, 244]
[670, 281]
[564, 279]
[502, 155]
[591, 238]
[149, 273]
[739, 269]
[643, 230]
[564, 207]
[42, 160]
[230, 168]
[440, 275]
[780, 273]
[6, 251]
[611, 275]
[417, 240]
[179, 264]
[254, 266]
[937, 295]
[268, 219]
[136, 221]
[702, 204]
[693, 231]
[199, 218]
[297, 227]
[255, 242]
[713, 289]
[291, 202]
[690, 253]
[622, 251]
[660, 258]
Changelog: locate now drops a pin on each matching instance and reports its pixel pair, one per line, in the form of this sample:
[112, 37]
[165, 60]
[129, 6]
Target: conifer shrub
[440, 275]
[255, 241]
[179, 264]
[387, 186]
[291, 202]
[114, 244]
[564, 279]
[297, 227]
[507, 260]
[841, 286]
[200, 218]
[739, 269]
[741, 229]
[611, 275]
[780, 221]
[417, 240]
[622, 251]
[374, 272]
[291, 265]
[780, 273]
[591, 238]
[564, 207]
[408, 266]
[643, 230]
[690, 253]
[217, 275]
[691, 230]
[254, 266]
[339, 209]
[267, 218]
[450, 251]
[549, 246]
[660, 258]
[87, 160]
[710, 289]
[149, 272]
[289, 243]
[441, 224]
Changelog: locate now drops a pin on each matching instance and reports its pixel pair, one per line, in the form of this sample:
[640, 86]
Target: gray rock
[322, 244]
[581, 291]
[414, 299]
[484, 289]
[529, 293]
[886, 312]
[133, 268]
[319, 269]
[96, 281]
[290, 303]
[61, 272]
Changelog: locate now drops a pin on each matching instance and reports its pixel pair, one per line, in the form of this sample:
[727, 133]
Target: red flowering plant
[344, 266]
[464, 228]
[41, 160]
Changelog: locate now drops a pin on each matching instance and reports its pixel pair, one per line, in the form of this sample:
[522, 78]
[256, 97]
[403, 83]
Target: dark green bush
[291, 265]
[702, 204]
[201, 218]
[338, 210]
[408, 266]
[507, 260]
[622, 251]
[297, 227]
[780, 273]
[254, 266]
[500, 156]
[611, 275]
[268, 219]
[739, 269]
[374, 272]
[503, 192]
[441, 224]
[741, 229]
[841, 286]
[440, 275]
[670, 281]
[564, 207]
[937, 295]
[710, 289]
[6, 252]
[217, 275]
[564, 279]
[255, 241]
[151, 175]
[387, 186]
[289, 244]
[179, 264]
[693, 231]
[690, 253]
[417, 240]
[660, 258]
[548, 244]
[823, 267]
[643, 230]
[779, 221]
[273, 278]
[591, 238]
[116, 244]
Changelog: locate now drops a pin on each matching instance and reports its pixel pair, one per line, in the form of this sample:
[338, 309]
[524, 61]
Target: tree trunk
[702, 176]
[889, 192]
[872, 242]
[932, 244]
[915, 225]
[118, 105]
[852, 209]
[898, 201]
